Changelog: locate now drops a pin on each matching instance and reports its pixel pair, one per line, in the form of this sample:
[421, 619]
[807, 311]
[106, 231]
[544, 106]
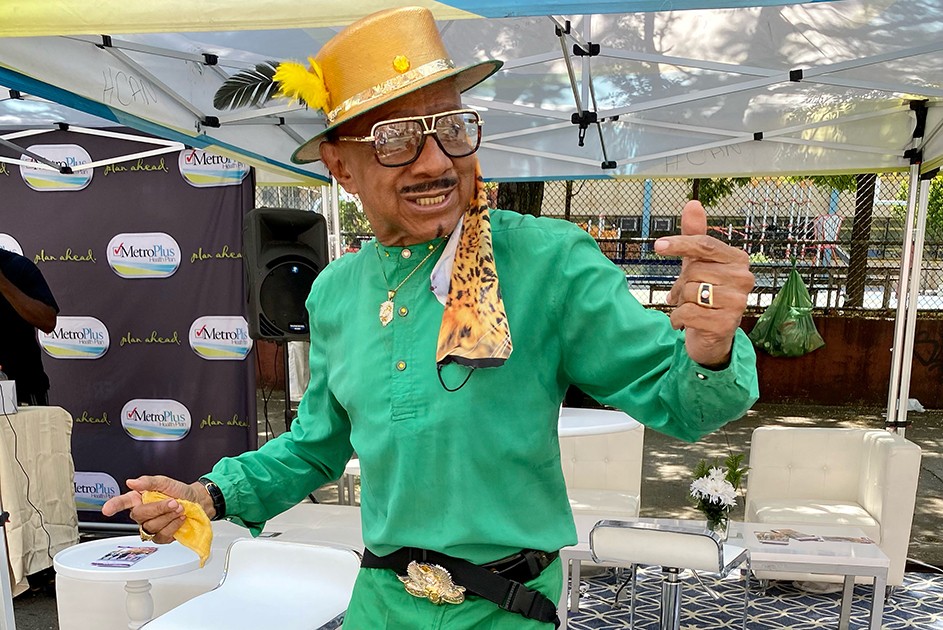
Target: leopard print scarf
[474, 329]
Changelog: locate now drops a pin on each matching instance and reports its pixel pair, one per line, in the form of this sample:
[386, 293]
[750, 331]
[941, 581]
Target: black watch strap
[219, 501]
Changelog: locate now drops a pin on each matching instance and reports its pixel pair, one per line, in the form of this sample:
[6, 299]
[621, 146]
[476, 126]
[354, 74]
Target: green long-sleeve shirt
[476, 473]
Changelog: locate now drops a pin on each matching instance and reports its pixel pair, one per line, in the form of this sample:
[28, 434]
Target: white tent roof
[827, 87]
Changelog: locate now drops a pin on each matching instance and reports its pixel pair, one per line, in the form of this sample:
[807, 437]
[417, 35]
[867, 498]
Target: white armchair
[865, 478]
[603, 473]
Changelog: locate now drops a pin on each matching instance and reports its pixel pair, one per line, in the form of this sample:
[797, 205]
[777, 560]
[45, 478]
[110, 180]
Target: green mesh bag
[786, 328]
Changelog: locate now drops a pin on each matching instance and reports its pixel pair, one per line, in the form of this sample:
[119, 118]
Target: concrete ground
[666, 476]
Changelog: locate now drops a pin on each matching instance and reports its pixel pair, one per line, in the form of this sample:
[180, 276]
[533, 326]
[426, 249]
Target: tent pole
[336, 218]
[914, 292]
[900, 320]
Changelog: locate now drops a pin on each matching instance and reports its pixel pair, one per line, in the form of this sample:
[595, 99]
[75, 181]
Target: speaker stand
[287, 374]
[288, 414]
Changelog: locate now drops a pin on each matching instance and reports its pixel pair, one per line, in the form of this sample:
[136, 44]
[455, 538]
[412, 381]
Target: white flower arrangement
[714, 488]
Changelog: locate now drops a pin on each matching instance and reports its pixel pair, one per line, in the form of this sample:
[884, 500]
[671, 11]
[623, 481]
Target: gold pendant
[432, 582]
[386, 312]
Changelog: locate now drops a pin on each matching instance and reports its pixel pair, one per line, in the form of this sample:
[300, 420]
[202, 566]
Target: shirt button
[701, 376]
[400, 365]
[406, 253]
[403, 311]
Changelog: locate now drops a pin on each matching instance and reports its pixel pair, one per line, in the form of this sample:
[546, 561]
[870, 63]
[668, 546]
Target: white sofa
[829, 476]
[603, 473]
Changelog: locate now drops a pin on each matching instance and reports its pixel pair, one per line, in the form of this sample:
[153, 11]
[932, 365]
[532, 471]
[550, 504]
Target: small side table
[173, 559]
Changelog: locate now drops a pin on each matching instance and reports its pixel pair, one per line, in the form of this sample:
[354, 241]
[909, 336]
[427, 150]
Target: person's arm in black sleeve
[36, 312]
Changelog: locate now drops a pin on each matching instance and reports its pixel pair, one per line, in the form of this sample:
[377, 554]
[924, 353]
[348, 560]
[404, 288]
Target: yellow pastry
[196, 532]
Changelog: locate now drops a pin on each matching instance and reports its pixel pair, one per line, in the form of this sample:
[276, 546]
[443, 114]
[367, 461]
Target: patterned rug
[917, 604]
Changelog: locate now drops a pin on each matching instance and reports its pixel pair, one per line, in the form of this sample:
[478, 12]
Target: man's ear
[333, 159]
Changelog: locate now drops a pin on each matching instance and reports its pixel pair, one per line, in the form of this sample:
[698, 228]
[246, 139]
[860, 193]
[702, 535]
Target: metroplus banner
[150, 354]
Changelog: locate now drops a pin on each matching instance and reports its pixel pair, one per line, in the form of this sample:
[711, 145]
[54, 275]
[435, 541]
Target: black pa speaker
[284, 251]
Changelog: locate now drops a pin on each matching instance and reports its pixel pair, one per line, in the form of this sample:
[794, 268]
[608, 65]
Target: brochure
[797, 535]
[772, 537]
[124, 556]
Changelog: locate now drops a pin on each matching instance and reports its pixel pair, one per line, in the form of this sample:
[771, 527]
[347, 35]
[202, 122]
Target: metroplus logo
[144, 255]
[10, 244]
[44, 179]
[76, 338]
[155, 420]
[220, 338]
[202, 169]
[92, 489]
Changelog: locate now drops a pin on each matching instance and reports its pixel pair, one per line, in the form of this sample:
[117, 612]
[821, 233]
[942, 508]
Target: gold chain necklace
[386, 308]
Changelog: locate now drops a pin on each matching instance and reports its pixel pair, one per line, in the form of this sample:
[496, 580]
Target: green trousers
[380, 602]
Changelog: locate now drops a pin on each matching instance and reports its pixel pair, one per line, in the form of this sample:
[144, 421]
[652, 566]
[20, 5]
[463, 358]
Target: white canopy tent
[822, 87]
[598, 89]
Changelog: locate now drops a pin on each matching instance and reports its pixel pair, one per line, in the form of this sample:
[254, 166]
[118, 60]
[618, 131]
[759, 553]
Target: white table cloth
[36, 457]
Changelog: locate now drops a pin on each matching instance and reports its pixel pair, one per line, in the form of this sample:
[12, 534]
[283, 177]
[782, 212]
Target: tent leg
[905, 322]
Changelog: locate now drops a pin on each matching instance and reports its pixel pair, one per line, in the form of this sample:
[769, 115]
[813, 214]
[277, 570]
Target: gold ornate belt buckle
[432, 582]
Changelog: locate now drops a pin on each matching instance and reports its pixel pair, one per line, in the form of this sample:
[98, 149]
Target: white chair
[866, 478]
[347, 483]
[603, 473]
[271, 584]
[672, 547]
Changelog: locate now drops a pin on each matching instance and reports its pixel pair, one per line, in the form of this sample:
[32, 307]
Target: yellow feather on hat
[306, 84]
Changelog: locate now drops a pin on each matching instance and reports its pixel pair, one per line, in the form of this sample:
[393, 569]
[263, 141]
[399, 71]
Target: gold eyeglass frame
[429, 129]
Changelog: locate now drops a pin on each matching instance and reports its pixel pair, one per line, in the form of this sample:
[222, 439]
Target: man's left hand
[711, 292]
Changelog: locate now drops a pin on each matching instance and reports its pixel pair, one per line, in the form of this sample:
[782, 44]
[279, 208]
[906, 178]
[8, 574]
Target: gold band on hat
[390, 85]
[705, 294]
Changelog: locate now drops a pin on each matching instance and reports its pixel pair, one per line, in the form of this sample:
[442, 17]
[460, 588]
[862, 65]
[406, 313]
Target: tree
[934, 203]
[710, 191]
[523, 197]
[352, 219]
[860, 240]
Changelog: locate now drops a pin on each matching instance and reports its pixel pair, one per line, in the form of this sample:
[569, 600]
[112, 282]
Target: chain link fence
[778, 221]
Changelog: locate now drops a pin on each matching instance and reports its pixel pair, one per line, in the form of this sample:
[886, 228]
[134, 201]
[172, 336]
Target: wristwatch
[216, 495]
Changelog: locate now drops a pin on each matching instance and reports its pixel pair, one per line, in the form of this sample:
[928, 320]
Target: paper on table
[124, 556]
[772, 537]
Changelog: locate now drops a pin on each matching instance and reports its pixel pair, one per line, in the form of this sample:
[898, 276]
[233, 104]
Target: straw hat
[382, 57]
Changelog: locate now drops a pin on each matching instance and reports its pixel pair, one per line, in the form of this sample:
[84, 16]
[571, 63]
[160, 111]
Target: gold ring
[144, 535]
[705, 294]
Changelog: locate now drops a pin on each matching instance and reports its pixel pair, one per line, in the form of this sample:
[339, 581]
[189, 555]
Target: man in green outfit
[413, 364]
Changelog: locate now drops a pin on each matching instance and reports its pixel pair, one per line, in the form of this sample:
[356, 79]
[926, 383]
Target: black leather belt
[523, 566]
[501, 581]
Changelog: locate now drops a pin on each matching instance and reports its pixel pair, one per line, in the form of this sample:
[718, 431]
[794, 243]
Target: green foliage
[711, 191]
[352, 218]
[841, 183]
[732, 466]
[735, 469]
[934, 203]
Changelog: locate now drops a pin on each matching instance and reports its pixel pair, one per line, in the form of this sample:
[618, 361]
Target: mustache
[436, 184]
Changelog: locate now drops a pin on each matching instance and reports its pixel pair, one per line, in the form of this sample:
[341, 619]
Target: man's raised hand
[711, 292]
